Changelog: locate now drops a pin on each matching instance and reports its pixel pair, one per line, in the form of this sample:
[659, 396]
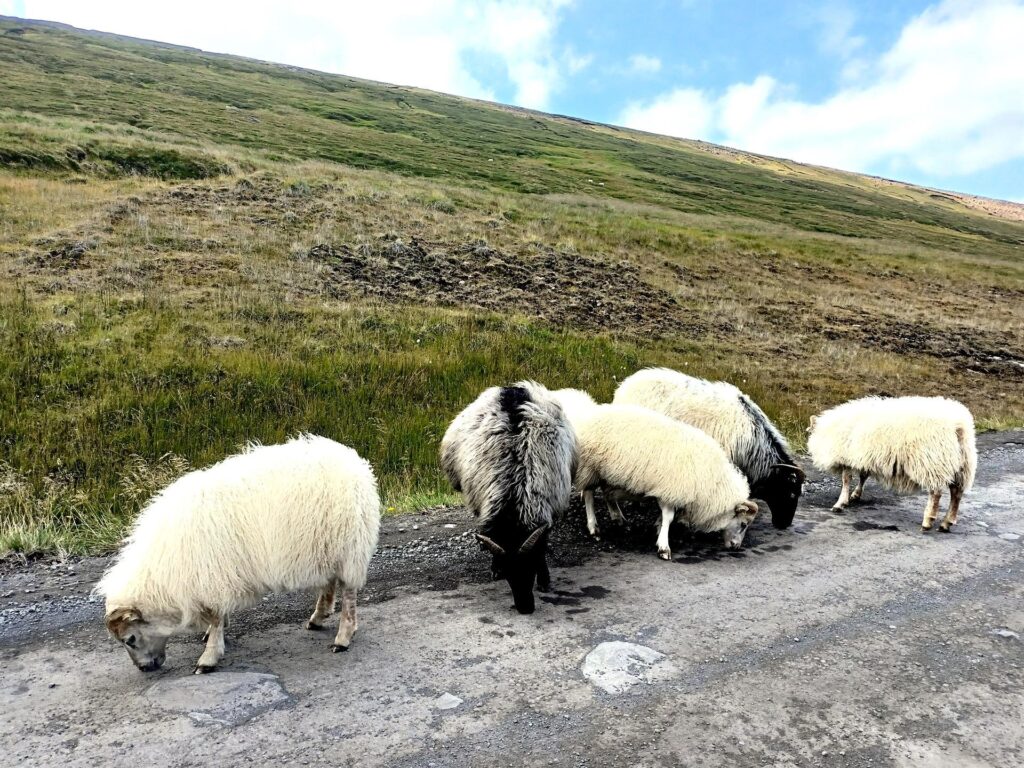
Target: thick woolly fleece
[273, 518]
[718, 408]
[906, 443]
[646, 453]
[576, 403]
[511, 453]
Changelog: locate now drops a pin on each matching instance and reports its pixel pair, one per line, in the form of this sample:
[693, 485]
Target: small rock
[1008, 634]
[1003, 536]
[447, 701]
[449, 525]
[982, 523]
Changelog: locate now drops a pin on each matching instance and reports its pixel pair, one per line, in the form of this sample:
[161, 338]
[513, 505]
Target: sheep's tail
[968, 455]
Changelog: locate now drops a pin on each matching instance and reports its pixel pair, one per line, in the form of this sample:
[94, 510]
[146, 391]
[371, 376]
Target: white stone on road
[1009, 536]
[447, 701]
[223, 698]
[1009, 634]
[617, 666]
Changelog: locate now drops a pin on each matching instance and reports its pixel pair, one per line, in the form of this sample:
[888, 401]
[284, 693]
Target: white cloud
[947, 99]
[423, 43]
[836, 25]
[684, 112]
[640, 63]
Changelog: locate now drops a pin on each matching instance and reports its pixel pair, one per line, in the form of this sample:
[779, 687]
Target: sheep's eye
[130, 641]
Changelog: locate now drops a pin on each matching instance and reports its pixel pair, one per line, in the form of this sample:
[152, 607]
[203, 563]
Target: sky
[925, 91]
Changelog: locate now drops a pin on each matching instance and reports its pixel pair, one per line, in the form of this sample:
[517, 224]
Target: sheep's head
[736, 530]
[519, 563]
[145, 642]
[781, 490]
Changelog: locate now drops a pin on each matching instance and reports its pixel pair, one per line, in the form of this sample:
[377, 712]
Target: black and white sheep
[644, 453]
[511, 453]
[906, 443]
[273, 518]
[721, 410]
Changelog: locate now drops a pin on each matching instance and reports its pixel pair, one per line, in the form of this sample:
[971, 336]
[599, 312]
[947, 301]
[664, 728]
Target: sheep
[644, 453]
[721, 410]
[511, 453]
[271, 518]
[906, 443]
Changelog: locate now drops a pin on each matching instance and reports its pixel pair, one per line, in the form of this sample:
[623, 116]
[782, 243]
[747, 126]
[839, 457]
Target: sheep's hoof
[544, 586]
[837, 510]
[595, 534]
[943, 529]
[312, 625]
[338, 648]
[204, 669]
[665, 554]
[926, 529]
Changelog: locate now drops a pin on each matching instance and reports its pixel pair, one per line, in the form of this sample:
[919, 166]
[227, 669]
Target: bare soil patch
[566, 289]
[988, 352]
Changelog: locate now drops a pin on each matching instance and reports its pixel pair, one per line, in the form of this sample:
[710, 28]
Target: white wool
[906, 443]
[272, 518]
[576, 403]
[718, 408]
[649, 454]
[496, 469]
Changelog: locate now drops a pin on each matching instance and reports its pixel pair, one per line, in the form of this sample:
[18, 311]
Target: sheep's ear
[489, 544]
[814, 420]
[532, 540]
[119, 618]
[748, 507]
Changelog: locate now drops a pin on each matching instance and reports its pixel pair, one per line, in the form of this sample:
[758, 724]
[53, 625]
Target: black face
[520, 566]
[781, 492]
[520, 571]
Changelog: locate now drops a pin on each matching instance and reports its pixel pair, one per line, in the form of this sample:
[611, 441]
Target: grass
[159, 303]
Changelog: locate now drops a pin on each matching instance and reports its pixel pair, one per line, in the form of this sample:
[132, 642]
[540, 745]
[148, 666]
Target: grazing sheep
[906, 443]
[648, 454]
[511, 453]
[748, 436]
[272, 518]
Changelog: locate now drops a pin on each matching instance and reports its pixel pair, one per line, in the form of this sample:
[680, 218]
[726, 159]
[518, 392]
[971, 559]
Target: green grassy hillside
[199, 250]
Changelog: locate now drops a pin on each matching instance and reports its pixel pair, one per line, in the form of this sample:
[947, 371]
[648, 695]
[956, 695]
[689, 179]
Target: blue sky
[927, 92]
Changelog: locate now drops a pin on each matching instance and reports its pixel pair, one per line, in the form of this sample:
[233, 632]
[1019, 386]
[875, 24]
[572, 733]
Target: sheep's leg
[614, 510]
[324, 607]
[348, 624]
[859, 490]
[209, 629]
[844, 494]
[931, 510]
[588, 500]
[214, 648]
[667, 516]
[543, 575]
[956, 492]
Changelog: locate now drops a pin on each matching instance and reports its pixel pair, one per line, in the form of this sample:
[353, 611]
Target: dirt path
[838, 642]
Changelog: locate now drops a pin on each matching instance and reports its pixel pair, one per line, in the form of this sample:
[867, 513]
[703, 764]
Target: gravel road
[850, 640]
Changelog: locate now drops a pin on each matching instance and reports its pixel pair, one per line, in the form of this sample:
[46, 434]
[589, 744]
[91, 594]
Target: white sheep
[511, 452]
[273, 518]
[906, 443]
[636, 450]
[725, 413]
